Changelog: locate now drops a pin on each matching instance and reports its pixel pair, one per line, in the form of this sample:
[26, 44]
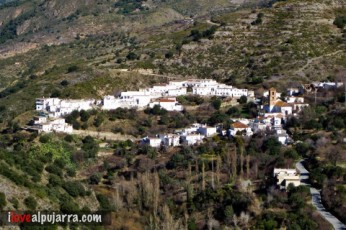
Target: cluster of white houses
[188, 136]
[163, 95]
[272, 115]
[271, 120]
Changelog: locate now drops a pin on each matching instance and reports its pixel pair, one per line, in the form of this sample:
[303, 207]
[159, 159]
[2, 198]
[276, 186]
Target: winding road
[316, 198]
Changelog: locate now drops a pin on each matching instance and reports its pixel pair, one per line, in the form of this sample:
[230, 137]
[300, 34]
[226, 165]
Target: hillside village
[174, 114]
[270, 120]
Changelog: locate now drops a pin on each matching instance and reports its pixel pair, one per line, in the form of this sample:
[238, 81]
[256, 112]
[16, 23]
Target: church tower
[272, 97]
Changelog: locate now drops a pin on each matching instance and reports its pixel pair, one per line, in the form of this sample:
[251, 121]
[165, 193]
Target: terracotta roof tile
[239, 125]
[167, 100]
[281, 104]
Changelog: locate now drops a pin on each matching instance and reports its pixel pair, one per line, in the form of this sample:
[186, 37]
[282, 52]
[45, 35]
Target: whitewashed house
[192, 139]
[169, 104]
[293, 99]
[293, 91]
[281, 135]
[135, 99]
[239, 127]
[171, 140]
[109, 102]
[60, 107]
[42, 124]
[177, 92]
[154, 142]
[207, 130]
[192, 129]
[40, 119]
[285, 177]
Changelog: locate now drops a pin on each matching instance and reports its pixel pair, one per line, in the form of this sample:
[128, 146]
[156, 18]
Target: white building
[42, 124]
[192, 139]
[281, 135]
[293, 99]
[60, 107]
[154, 142]
[171, 140]
[285, 177]
[239, 127]
[110, 102]
[207, 130]
[176, 92]
[169, 104]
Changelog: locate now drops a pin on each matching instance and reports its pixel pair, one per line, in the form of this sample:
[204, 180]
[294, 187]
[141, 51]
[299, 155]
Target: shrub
[44, 139]
[30, 202]
[90, 146]
[76, 125]
[71, 172]
[233, 111]
[94, 179]
[216, 103]
[340, 21]
[72, 68]
[98, 120]
[15, 202]
[54, 180]
[131, 56]
[104, 203]
[169, 55]
[68, 138]
[64, 83]
[74, 188]
[54, 169]
[2, 200]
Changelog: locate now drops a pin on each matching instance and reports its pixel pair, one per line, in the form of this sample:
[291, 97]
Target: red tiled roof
[167, 100]
[239, 125]
[281, 104]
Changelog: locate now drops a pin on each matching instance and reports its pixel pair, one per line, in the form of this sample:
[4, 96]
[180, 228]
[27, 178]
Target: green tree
[242, 100]
[84, 115]
[216, 103]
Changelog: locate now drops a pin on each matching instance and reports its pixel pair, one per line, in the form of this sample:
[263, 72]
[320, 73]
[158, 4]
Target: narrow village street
[316, 198]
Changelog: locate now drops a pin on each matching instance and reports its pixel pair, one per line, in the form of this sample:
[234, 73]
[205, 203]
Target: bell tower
[272, 96]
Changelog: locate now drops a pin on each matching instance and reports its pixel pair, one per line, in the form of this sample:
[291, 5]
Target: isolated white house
[285, 177]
